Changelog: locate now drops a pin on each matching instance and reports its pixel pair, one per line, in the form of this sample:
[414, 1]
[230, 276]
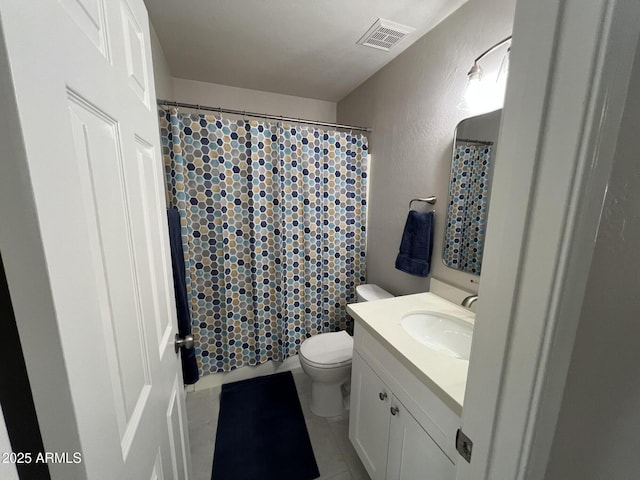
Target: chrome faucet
[470, 300]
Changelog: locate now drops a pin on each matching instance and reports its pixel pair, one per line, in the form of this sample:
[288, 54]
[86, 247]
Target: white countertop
[444, 375]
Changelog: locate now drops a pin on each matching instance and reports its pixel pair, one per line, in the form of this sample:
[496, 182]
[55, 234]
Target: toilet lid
[328, 348]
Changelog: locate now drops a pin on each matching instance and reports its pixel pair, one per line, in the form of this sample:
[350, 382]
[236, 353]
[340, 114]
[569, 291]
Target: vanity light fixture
[480, 96]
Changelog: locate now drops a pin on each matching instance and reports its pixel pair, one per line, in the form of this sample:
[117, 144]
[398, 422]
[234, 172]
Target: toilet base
[326, 400]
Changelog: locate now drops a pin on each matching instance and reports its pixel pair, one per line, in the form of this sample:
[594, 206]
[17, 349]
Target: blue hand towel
[189, 365]
[417, 244]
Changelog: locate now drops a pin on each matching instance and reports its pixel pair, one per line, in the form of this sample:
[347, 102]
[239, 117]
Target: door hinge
[464, 445]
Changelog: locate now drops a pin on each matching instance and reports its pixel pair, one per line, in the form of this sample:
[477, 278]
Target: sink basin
[444, 333]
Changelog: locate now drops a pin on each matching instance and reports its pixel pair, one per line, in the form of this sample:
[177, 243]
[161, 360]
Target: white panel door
[83, 84]
[412, 452]
[369, 418]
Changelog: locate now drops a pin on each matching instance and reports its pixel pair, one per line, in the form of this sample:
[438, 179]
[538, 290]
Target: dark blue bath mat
[261, 432]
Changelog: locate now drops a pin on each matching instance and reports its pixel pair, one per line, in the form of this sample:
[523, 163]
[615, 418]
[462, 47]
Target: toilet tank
[370, 292]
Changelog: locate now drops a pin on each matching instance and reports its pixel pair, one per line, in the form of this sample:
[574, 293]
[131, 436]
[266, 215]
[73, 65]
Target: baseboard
[244, 373]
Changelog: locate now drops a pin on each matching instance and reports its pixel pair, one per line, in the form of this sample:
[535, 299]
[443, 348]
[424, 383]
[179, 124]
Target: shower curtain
[468, 207]
[273, 225]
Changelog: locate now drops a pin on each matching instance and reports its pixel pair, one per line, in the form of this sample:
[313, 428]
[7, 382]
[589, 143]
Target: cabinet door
[369, 418]
[412, 452]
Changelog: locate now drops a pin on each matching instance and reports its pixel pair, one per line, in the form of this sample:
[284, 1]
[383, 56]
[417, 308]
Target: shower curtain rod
[468, 140]
[261, 115]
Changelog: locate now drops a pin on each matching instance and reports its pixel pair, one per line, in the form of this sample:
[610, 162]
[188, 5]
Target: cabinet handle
[383, 396]
[394, 410]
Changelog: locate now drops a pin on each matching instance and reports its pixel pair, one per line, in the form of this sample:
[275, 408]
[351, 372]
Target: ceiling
[305, 48]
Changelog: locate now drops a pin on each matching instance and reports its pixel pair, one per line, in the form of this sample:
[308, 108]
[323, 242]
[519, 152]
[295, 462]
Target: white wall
[162, 73]
[191, 91]
[597, 431]
[412, 106]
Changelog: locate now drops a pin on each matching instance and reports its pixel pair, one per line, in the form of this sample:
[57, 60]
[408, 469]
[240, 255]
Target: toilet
[326, 358]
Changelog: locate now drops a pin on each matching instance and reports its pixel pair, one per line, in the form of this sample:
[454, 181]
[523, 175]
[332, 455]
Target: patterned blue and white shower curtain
[468, 207]
[273, 220]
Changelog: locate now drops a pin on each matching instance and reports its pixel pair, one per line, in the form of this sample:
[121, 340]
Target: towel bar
[431, 200]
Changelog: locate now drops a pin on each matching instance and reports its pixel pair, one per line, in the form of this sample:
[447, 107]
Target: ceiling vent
[383, 35]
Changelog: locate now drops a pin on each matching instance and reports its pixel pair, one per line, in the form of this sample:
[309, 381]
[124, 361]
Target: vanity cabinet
[369, 418]
[388, 426]
[412, 452]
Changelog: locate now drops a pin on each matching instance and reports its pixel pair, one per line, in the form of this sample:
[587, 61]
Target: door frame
[18, 419]
[570, 68]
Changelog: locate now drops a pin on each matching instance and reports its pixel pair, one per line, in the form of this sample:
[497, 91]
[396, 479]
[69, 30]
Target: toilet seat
[328, 350]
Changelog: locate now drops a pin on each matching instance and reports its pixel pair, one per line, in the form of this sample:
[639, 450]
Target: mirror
[474, 150]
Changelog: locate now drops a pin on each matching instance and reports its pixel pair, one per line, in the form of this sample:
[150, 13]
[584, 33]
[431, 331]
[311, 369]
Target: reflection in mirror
[474, 144]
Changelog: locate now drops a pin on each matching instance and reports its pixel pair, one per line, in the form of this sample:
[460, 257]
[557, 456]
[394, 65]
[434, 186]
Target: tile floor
[336, 458]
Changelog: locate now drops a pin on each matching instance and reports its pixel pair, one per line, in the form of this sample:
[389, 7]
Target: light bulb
[485, 94]
[474, 95]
